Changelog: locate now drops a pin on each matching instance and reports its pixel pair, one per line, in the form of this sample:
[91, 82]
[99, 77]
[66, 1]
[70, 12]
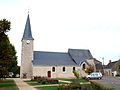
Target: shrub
[74, 86]
[48, 81]
[37, 78]
[45, 80]
[69, 87]
[99, 86]
[75, 81]
[76, 74]
[118, 75]
[85, 78]
[90, 69]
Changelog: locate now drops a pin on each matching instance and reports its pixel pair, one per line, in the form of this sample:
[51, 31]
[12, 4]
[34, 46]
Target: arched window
[53, 69]
[73, 68]
[84, 66]
[63, 69]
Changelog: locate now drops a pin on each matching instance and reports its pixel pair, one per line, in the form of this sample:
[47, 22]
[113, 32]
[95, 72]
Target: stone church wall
[43, 71]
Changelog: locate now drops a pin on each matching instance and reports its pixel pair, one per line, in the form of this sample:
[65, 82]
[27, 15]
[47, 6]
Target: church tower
[27, 51]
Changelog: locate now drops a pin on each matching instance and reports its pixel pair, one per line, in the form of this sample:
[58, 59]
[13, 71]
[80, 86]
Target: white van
[95, 75]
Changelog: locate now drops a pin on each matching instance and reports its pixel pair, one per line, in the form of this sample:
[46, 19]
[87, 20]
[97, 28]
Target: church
[51, 64]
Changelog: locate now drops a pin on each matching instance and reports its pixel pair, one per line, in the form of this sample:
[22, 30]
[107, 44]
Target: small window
[73, 68]
[63, 69]
[53, 69]
[84, 66]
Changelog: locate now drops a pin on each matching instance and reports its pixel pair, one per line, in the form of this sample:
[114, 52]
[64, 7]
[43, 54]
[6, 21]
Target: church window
[73, 68]
[84, 66]
[53, 69]
[63, 69]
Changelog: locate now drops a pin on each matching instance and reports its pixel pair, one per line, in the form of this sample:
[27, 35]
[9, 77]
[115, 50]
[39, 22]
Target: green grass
[33, 84]
[29, 81]
[85, 85]
[8, 85]
[63, 83]
[66, 79]
[82, 80]
[48, 88]
[6, 81]
[53, 88]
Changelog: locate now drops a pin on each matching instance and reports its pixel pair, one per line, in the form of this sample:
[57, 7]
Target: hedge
[100, 86]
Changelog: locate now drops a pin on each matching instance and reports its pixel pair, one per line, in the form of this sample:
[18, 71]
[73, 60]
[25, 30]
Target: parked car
[95, 75]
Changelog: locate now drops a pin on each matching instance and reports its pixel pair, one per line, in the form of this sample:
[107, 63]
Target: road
[111, 81]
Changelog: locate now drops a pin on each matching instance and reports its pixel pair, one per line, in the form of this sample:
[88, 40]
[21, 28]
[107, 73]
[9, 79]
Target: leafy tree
[5, 56]
[4, 26]
[8, 59]
[90, 69]
[13, 63]
[76, 74]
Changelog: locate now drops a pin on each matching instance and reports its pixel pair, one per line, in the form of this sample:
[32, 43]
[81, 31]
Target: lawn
[48, 88]
[8, 85]
[33, 83]
[66, 79]
[56, 88]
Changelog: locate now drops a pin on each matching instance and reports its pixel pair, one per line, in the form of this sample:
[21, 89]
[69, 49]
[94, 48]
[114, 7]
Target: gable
[80, 55]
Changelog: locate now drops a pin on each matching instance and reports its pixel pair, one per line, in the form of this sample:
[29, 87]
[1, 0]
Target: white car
[95, 75]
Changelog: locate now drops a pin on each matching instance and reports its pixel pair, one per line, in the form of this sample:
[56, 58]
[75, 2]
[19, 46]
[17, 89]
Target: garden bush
[118, 75]
[99, 86]
[74, 86]
[48, 81]
[45, 80]
[76, 74]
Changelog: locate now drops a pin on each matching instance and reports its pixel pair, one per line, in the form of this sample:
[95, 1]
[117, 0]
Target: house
[98, 65]
[116, 68]
[51, 64]
[108, 68]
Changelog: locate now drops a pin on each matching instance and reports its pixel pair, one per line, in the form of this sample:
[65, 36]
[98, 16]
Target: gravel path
[22, 85]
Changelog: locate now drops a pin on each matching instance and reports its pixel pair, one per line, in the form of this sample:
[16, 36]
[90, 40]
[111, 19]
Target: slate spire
[27, 31]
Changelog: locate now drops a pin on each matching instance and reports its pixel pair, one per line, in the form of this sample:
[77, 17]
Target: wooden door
[49, 74]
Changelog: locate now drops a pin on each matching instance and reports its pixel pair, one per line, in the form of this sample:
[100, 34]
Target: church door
[49, 74]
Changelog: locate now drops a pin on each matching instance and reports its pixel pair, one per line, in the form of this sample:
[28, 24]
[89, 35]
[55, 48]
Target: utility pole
[103, 64]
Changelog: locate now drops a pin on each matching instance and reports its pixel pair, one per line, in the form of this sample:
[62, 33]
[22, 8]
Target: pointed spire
[27, 31]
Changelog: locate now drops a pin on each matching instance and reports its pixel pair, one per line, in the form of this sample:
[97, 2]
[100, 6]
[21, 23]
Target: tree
[13, 63]
[4, 26]
[5, 56]
[90, 69]
[76, 74]
[8, 59]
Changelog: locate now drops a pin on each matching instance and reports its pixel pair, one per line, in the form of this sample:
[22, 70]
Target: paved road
[111, 81]
[22, 85]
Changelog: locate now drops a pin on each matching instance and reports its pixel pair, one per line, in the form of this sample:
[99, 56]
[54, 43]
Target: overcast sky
[61, 24]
